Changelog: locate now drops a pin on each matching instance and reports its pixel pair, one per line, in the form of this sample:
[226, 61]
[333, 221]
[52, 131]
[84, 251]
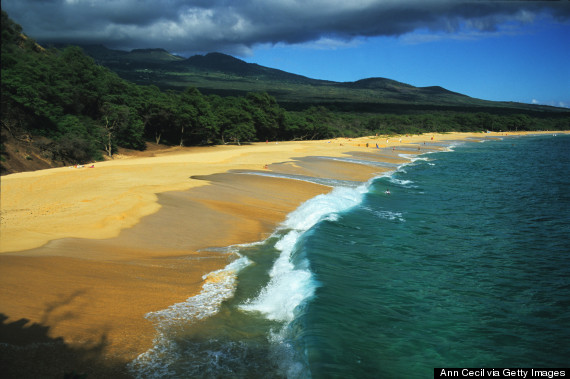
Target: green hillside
[224, 75]
[61, 106]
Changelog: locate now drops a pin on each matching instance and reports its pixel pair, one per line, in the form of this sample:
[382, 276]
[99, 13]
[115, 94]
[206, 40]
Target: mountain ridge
[222, 74]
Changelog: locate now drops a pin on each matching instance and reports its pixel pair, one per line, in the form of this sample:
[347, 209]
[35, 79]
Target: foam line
[322, 181]
[290, 284]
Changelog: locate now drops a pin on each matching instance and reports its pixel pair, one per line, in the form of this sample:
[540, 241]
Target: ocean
[465, 263]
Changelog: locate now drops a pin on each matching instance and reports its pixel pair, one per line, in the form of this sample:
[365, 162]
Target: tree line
[86, 110]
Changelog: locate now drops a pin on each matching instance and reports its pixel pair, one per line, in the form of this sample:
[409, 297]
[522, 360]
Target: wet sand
[87, 252]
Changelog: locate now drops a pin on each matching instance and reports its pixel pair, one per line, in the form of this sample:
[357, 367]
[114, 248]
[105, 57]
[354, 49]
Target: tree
[114, 118]
[295, 126]
[318, 122]
[236, 124]
[266, 115]
[11, 32]
[202, 125]
[154, 112]
[185, 113]
[131, 135]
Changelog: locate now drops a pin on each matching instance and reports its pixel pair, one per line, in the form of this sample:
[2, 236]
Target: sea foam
[292, 283]
[412, 158]
[361, 161]
[219, 286]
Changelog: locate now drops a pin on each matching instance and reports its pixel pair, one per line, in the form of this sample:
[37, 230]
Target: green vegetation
[224, 75]
[83, 110]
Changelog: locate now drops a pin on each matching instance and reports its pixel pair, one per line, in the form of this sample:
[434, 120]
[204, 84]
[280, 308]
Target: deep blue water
[466, 263]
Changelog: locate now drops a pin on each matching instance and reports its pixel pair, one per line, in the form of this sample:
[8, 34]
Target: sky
[504, 50]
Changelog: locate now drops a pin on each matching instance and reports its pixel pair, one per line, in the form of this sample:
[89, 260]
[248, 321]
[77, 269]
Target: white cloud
[325, 43]
[552, 103]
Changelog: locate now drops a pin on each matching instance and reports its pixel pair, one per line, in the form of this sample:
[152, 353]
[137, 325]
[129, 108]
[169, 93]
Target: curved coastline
[95, 253]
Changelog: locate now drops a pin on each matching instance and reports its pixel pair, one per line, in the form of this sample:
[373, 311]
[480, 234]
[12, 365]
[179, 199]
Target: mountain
[61, 107]
[222, 63]
[127, 60]
[217, 73]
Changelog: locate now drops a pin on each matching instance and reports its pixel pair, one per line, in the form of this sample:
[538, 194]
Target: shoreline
[144, 225]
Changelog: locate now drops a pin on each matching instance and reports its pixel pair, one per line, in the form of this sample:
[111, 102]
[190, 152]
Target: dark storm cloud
[235, 26]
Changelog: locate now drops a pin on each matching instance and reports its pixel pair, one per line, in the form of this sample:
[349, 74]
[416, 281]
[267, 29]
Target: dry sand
[87, 252]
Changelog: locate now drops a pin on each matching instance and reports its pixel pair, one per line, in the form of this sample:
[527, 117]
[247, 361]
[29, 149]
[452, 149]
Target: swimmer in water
[387, 191]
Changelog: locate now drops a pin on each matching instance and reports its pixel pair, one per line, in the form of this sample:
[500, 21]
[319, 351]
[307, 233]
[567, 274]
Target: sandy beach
[86, 252]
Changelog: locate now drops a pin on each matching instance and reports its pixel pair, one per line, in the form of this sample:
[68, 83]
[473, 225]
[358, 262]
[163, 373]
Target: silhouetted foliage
[28, 351]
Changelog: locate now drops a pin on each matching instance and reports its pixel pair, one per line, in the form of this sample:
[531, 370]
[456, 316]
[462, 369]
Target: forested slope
[59, 107]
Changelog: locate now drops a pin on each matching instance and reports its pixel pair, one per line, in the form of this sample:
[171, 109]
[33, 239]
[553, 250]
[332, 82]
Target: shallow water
[465, 263]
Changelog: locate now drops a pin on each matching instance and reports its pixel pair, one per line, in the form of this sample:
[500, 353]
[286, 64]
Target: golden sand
[85, 253]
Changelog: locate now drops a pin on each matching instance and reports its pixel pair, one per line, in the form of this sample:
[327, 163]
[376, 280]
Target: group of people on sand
[82, 166]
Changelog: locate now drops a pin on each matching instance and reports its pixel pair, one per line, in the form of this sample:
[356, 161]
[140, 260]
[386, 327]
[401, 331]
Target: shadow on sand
[28, 351]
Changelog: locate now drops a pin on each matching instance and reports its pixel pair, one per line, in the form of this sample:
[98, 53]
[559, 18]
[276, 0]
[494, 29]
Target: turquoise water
[466, 263]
